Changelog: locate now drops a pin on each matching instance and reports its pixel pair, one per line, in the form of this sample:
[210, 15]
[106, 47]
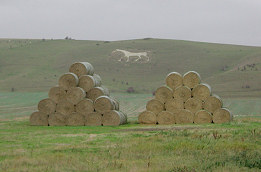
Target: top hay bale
[174, 80]
[191, 79]
[82, 68]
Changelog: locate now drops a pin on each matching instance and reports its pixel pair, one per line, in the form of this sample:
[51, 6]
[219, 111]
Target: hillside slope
[35, 65]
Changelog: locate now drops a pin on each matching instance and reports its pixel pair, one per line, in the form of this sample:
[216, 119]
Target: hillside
[35, 65]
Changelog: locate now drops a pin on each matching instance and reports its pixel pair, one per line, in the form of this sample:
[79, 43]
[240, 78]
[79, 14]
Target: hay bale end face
[184, 116]
[85, 106]
[105, 103]
[96, 92]
[39, 118]
[193, 105]
[201, 91]
[68, 80]
[87, 82]
[212, 103]
[82, 68]
[75, 95]
[57, 119]
[65, 107]
[202, 117]
[113, 118]
[57, 94]
[174, 80]
[75, 119]
[173, 104]
[222, 115]
[191, 79]
[147, 117]
[47, 106]
[163, 93]
[155, 106]
[166, 117]
[93, 119]
[182, 92]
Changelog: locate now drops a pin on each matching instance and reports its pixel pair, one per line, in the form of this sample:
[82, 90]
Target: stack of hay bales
[184, 99]
[79, 99]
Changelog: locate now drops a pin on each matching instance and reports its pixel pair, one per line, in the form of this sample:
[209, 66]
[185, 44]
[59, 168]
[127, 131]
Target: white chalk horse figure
[128, 54]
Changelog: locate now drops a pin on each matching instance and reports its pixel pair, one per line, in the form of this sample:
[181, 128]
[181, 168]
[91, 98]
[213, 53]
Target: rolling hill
[35, 65]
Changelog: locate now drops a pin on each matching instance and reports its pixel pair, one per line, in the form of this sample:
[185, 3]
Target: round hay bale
[166, 117]
[57, 119]
[155, 106]
[57, 94]
[113, 118]
[81, 68]
[75, 94]
[222, 115]
[193, 104]
[39, 118]
[147, 117]
[88, 82]
[182, 92]
[172, 104]
[184, 116]
[96, 92]
[105, 103]
[93, 119]
[75, 119]
[201, 91]
[174, 80]
[65, 107]
[47, 106]
[85, 106]
[68, 80]
[163, 93]
[212, 103]
[191, 79]
[202, 116]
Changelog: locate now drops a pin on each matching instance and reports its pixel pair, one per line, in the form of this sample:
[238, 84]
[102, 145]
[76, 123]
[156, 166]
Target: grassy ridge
[35, 65]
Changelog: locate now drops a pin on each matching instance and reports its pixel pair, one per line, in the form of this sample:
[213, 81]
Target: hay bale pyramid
[184, 99]
[79, 99]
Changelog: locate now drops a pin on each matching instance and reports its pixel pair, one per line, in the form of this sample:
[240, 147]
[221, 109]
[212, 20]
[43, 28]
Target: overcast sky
[222, 21]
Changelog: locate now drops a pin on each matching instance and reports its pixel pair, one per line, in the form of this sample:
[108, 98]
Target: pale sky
[221, 21]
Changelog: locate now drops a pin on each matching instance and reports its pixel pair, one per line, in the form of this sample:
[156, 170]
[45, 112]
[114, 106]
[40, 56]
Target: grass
[212, 147]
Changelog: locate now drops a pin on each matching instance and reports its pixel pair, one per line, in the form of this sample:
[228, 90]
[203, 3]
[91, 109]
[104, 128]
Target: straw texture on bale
[212, 103]
[174, 80]
[75, 94]
[105, 103]
[191, 79]
[166, 117]
[182, 92]
[96, 92]
[57, 94]
[57, 119]
[163, 93]
[202, 117]
[47, 106]
[113, 118]
[201, 91]
[68, 80]
[172, 104]
[184, 116]
[147, 117]
[88, 82]
[222, 115]
[39, 118]
[93, 119]
[85, 106]
[75, 119]
[193, 105]
[155, 106]
[65, 107]
[82, 68]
